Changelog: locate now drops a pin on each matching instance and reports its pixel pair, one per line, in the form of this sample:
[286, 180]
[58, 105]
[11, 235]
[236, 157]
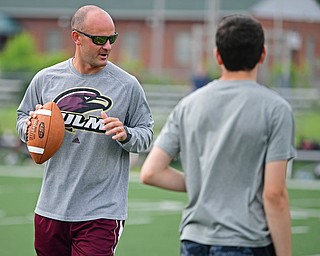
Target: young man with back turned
[235, 138]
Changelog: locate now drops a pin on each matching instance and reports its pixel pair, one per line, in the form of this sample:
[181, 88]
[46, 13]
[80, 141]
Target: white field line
[24, 188]
[36, 171]
[303, 184]
[26, 220]
[16, 220]
[303, 213]
[30, 171]
[140, 212]
[300, 230]
[305, 202]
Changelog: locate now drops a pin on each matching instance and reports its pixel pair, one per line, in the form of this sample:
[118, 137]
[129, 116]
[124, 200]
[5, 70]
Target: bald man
[83, 200]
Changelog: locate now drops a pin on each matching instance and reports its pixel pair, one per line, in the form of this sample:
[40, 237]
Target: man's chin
[101, 63]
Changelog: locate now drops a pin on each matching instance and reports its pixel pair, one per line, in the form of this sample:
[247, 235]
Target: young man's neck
[239, 75]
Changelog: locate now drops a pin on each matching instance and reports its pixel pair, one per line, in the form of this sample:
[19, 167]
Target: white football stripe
[44, 112]
[35, 150]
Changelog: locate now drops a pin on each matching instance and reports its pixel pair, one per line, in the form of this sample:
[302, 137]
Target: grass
[8, 119]
[154, 216]
[17, 201]
[305, 212]
[308, 125]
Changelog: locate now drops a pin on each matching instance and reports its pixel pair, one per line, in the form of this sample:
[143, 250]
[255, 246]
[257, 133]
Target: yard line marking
[144, 209]
[36, 171]
[139, 220]
[300, 230]
[164, 206]
[305, 202]
[2, 213]
[26, 188]
[26, 220]
[300, 213]
[303, 184]
[17, 220]
[21, 171]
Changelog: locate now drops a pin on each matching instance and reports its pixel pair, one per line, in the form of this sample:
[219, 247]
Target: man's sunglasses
[100, 40]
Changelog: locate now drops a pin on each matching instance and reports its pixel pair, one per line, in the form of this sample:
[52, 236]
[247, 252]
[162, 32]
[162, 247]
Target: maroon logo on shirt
[82, 100]
[76, 102]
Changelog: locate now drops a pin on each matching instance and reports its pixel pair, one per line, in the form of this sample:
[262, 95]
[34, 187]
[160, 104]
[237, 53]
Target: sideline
[303, 184]
[35, 171]
[23, 171]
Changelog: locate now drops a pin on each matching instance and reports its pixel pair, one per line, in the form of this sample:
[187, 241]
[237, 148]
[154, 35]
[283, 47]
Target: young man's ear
[217, 56]
[263, 55]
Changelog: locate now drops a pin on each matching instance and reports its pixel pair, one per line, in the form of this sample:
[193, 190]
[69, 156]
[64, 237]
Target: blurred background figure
[200, 78]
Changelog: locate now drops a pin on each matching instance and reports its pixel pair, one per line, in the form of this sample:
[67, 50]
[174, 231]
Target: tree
[20, 59]
[20, 55]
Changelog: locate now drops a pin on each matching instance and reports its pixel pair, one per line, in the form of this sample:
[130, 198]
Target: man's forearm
[278, 217]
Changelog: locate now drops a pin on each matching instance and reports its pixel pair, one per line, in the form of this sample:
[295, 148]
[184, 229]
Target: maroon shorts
[59, 238]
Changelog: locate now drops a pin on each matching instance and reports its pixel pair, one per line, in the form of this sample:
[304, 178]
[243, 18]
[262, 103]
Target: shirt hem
[78, 218]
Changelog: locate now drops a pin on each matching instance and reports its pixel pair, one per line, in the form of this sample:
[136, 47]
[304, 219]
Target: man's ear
[75, 37]
[217, 56]
[263, 55]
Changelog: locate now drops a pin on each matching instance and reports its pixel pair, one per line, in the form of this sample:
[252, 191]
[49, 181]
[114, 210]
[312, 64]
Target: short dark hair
[240, 42]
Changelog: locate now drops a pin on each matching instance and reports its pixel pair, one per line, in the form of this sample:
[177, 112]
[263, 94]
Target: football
[45, 134]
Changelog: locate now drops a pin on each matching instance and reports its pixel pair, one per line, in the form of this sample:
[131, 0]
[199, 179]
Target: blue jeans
[189, 248]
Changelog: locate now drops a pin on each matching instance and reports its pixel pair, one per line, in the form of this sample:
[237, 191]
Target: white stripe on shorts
[119, 227]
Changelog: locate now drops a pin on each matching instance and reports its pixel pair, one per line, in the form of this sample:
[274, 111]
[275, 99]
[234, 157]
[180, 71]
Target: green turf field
[154, 216]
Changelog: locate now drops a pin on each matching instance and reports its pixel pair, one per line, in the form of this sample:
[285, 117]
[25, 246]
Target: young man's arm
[276, 203]
[157, 172]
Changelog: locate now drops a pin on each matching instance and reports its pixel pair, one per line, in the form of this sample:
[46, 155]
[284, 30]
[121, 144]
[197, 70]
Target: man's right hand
[32, 114]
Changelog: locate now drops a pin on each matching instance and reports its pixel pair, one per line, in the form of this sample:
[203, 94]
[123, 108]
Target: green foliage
[145, 76]
[299, 75]
[18, 54]
[21, 55]
[134, 67]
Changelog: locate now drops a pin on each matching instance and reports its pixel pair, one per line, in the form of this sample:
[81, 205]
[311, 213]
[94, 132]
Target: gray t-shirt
[88, 177]
[225, 133]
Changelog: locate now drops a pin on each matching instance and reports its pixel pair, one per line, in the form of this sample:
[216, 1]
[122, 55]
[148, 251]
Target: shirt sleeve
[281, 135]
[30, 100]
[139, 122]
[169, 137]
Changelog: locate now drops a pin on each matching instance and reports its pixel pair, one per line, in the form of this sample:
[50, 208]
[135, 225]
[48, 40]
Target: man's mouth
[103, 55]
